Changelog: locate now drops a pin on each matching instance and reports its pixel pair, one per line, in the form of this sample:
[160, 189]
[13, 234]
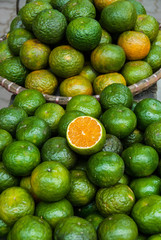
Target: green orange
[5, 51]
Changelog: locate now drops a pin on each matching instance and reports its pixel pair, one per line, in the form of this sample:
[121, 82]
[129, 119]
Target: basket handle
[17, 6]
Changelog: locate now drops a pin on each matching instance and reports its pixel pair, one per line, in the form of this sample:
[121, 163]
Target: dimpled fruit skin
[84, 33]
[116, 199]
[147, 214]
[81, 229]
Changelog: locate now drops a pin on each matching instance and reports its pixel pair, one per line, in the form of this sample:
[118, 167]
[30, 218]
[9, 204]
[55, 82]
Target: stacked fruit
[81, 46]
[88, 171]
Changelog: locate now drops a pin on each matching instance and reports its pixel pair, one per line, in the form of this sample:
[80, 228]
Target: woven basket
[136, 88]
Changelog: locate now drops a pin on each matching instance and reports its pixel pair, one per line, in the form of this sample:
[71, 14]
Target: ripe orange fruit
[76, 85]
[86, 135]
[135, 44]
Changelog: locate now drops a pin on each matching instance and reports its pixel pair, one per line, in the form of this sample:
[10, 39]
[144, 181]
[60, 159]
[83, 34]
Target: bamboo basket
[136, 88]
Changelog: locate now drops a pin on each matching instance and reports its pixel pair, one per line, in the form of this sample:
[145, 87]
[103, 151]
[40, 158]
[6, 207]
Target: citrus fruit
[135, 44]
[140, 160]
[30, 227]
[89, 73]
[57, 149]
[141, 237]
[65, 61]
[58, 4]
[104, 80]
[105, 169]
[42, 80]
[4, 228]
[115, 94]
[147, 111]
[120, 16]
[95, 219]
[17, 38]
[106, 37]
[157, 40]
[16, 23]
[115, 199]
[118, 226]
[155, 237]
[30, 11]
[148, 25]
[107, 58]
[10, 117]
[147, 214]
[78, 8]
[5, 51]
[140, 9]
[74, 228]
[100, 4]
[31, 51]
[76, 85]
[154, 57]
[112, 144]
[20, 158]
[124, 179]
[49, 26]
[50, 181]
[134, 71]
[152, 136]
[51, 113]
[15, 202]
[29, 100]
[34, 130]
[25, 183]
[146, 186]
[82, 191]
[5, 139]
[84, 33]
[86, 135]
[84, 211]
[135, 137]
[119, 121]
[86, 104]
[13, 70]
[6, 179]
[55, 211]
[66, 119]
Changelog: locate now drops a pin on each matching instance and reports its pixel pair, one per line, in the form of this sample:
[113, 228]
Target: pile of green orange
[74, 47]
[90, 170]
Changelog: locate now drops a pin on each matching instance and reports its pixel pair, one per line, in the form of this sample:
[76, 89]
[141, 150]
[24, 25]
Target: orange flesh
[84, 132]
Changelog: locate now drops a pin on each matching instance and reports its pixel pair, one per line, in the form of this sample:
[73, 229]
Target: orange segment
[86, 135]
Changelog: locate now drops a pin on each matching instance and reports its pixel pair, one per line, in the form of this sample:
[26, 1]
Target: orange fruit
[84, 33]
[134, 71]
[66, 61]
[104, 80]
[118, 226]
[15, 202]
[120, 16]
[147, 24]
[76, 85]
[100, 4]
[42, 80]
[34, 54]
[86, 135]
[107, 58]
[106, 37]
[50, 181]
[87, 104]
[135, 44]
[89, 73]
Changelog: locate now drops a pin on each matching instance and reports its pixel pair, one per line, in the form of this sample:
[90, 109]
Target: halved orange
[86, 135]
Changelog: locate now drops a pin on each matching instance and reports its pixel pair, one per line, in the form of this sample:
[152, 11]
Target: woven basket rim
[135, 88]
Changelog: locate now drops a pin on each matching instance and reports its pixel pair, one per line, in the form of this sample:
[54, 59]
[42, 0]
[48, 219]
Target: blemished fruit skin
[5, 51]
